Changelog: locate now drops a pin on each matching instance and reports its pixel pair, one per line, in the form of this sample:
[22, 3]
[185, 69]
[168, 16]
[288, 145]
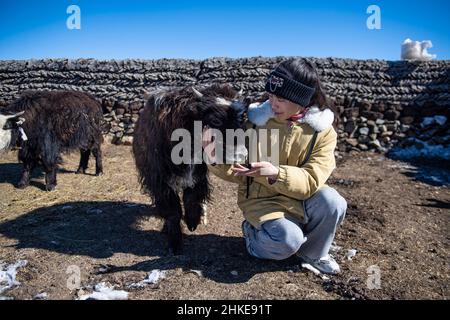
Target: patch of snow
[41, 296]
[310, 268]
[152, 277]
[429, 174]
[104, 269]
[422, 149]
[402, 165]
[104, 292]
[314, 270]
[234, 273]
[427, 121]
[8, 275]
[335, 248]
[351, 253]
[197, 272]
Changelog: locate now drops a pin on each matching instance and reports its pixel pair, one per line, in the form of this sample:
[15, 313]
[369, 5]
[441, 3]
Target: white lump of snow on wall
[104, 292]
[417, 50]
[8, 275]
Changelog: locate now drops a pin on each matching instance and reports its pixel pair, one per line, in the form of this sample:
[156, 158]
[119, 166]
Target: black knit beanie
[280, 83]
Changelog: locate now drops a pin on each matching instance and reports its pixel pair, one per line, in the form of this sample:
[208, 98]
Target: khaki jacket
[295, 182]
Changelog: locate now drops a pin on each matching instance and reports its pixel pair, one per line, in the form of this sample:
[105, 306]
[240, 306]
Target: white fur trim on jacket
[319, 120]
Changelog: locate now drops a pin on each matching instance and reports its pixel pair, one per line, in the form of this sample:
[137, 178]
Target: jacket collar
[317, 119]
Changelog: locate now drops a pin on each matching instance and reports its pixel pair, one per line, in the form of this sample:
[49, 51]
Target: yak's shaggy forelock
[217, 107]
[57, 122]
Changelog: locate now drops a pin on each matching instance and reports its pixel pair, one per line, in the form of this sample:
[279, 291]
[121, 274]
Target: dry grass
[397, 223]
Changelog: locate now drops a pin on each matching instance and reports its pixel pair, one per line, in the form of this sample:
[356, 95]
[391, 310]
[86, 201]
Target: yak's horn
[197, 93]
[15, 115]
[20, 121]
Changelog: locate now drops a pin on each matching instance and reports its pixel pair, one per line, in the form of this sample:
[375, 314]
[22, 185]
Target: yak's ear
[146, 94]
[12, 121]
[19, 121]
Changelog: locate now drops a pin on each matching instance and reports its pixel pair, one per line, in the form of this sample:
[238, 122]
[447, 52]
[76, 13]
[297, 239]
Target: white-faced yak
[45, 124]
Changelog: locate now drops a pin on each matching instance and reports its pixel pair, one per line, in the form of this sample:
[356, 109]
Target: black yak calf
[44, 124]
[163, 179]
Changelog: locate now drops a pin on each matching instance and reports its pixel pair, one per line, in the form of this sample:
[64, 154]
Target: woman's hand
[258, 169]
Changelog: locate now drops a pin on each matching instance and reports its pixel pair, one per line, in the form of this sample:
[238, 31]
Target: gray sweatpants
[281, 238]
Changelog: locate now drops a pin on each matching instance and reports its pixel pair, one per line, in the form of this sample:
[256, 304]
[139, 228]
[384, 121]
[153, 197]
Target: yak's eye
[8, 125]
[216, 123]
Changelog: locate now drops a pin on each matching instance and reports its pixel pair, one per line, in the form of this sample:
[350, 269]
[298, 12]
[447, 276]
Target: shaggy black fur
[57, 122]
[159, 176]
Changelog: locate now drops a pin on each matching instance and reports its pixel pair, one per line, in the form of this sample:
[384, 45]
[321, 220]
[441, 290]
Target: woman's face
[282, 108]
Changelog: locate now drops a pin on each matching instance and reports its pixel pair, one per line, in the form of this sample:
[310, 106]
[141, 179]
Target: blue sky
[201, 29]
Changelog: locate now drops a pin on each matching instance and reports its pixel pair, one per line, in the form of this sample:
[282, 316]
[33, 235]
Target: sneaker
[325, 264]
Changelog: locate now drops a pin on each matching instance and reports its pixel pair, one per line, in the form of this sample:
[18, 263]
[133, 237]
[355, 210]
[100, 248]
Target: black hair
[305, 71]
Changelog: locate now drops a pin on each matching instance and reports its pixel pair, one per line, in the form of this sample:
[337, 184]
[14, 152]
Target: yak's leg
[26, 156]
[169, 208]
[28, 167]
[84, 160]
[194, 200]
[97, 152]
[50, 176]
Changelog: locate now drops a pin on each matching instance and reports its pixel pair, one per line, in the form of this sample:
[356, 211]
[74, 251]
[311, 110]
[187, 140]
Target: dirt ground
[397, 221]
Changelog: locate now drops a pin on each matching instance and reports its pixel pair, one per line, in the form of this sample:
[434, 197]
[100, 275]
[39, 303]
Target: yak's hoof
[192, 223]
[192, 228]
[81, 171]
[99, 174]
[22, 185]
[50, 187]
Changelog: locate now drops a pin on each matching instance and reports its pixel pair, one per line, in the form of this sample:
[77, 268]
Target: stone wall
[379, 102]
